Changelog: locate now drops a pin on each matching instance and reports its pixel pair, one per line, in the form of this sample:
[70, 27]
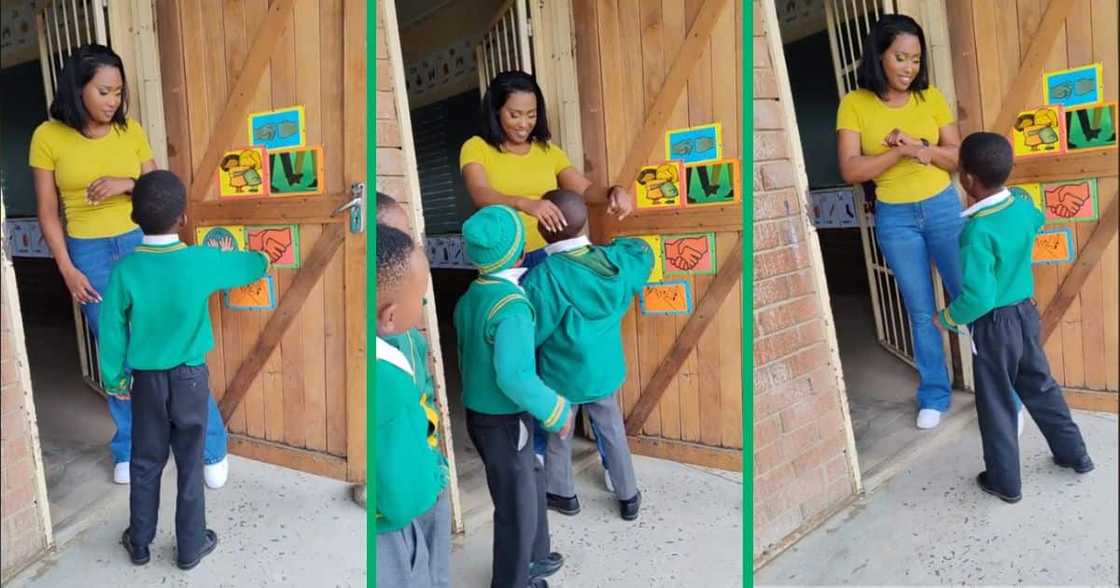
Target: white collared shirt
[512, 275]
[988, 202]
[567, 245]
[160, 239]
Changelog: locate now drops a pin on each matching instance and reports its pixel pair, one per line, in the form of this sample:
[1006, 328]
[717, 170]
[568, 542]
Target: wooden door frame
[317, 209]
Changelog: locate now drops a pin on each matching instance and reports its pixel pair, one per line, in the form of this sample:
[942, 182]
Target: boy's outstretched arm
[515, 362]
[232, 269]
[112, 340]
[978, 285]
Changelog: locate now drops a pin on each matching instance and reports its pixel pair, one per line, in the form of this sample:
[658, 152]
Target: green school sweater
[494, 323]
[996, 246]
[409, 475]
[155, 313]
[580, 297]
[414, 346]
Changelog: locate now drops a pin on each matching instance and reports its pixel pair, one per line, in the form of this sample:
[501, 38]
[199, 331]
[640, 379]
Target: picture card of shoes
[1071, 201]
[1039, 131]
[278, 129]
[694, 144]
[297, 172]
[1091, 128]
[713, 183]
[689, 254]
[243, 172]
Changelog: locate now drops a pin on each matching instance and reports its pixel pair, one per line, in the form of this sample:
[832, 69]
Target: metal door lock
[357, 207]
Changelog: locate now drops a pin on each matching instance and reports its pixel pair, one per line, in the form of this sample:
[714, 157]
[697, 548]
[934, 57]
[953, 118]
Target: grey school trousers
[1010, 358]
[607, 417]
[419, 555]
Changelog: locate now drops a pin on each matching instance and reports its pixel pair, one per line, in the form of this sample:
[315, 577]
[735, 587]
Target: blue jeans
[96, 258]
[910, 237]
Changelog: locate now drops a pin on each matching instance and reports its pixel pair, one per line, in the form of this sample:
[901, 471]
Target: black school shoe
[138, 555]
[565, 505]
[629, 508]
[543, 569]
[982, 479]
[1083, 466]
[208, 545]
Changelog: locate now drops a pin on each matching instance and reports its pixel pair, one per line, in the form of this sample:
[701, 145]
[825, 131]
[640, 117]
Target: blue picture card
[260, 295]
[671, 297]
[1073, 87]
[278, 129]
[694, 144]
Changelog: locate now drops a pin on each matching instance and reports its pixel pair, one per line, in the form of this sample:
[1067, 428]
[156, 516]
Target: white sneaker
[1020, 417]
[607, 481]
[928, 418]
[121, 473]
[216, 474]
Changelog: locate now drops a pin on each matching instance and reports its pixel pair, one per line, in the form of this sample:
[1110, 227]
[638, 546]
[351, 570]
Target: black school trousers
[1010, 358]
[516, 481]
[169, 412]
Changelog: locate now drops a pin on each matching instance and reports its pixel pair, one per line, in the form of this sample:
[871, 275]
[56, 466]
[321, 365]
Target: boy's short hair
[987, 157]
[394, 248]
[158, 201]
[385, 201]
[573, 208]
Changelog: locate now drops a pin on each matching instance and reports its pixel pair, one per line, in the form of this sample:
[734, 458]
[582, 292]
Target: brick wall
[801, 469]
[22, 497]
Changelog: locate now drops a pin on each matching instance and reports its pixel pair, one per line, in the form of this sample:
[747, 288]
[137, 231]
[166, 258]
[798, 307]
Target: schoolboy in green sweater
[155, 318]
[414, 346]
[410, 475]
[995, 301]
[581, 293]
[502, 393]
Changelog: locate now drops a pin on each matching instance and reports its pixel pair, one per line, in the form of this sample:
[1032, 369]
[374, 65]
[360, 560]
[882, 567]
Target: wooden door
[290, 381]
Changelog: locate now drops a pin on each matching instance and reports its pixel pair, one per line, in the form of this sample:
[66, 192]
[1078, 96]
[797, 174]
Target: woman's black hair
[67, 106]
[501, 87]
[870, 74]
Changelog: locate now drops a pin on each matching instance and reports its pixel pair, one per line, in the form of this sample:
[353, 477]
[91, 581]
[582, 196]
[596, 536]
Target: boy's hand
[619, 202]
[570, 426]
[937, 321]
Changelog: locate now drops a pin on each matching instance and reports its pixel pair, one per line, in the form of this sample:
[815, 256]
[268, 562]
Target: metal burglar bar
[506, 45]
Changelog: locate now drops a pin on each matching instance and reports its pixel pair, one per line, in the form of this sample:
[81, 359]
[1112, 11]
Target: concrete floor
[931, 524]
[276, 527]
[689, 533]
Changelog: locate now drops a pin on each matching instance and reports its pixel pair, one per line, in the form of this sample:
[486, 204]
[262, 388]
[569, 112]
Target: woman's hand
[547, 213]
[79, 286]
[107, 186]
[619, 202]
[898, 138]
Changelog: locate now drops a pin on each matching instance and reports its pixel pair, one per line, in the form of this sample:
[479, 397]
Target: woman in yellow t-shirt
[512, 162]
[88, 157]
[898, 132]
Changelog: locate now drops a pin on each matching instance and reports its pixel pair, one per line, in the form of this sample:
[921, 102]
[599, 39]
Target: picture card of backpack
[297, 172]
[715, 183]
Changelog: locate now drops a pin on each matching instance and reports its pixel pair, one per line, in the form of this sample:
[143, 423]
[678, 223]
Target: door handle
[357, 207]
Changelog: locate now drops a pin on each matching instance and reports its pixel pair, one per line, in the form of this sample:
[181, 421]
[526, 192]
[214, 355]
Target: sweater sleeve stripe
[557, 411]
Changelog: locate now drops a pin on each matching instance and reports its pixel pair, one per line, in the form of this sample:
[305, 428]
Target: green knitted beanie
[493, 239]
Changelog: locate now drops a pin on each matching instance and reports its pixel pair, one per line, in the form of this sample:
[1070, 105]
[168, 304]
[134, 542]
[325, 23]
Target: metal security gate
[127, 27]
[849, 22]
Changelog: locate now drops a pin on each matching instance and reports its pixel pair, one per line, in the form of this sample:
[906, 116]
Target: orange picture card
[260, 295]
[1040, 131]
[660, 187]
[1054, 246]
[667, 298]
[243, 172]
[279, 242]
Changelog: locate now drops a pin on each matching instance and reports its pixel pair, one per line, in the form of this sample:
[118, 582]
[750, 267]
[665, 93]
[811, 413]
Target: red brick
[809, 359]
[767, 430]
[771, 403]
[786, 314]
[384, 75]
[388, 133]
[778, 174]
[776, 346]
[811, 332]
[759, 22]
[836, 469]
[390, 162]
[394, 186]
[767, 458]
[765, 83]
[779, 204]
[9, 372]
[780, 374]
[386, 108]
[761, 52]
[768, 115]
[768, 145]
[798, 442]
[795, 418]
[768, 291]
[772, 482]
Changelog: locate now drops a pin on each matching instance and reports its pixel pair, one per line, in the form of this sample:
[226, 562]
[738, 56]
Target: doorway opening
[872, 326]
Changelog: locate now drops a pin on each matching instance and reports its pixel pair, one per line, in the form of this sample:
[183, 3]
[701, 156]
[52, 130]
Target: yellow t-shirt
[908, 180]
[77, 161]
[528, 176]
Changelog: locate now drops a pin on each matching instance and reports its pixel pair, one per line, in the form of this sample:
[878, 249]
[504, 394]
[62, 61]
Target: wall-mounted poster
[833, 209]
[1073, 87]
[278, 129]
[690, 254]
[1040, 131]
[1089, 128]
[1054, 246]
[660, 186]
[260, 295]
[713, 183]
[243, 173]
[279, 242]
[654, 242]
[1071, 200]
[226, 238]
[694, 144]
[667, 298]
[297, 172]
